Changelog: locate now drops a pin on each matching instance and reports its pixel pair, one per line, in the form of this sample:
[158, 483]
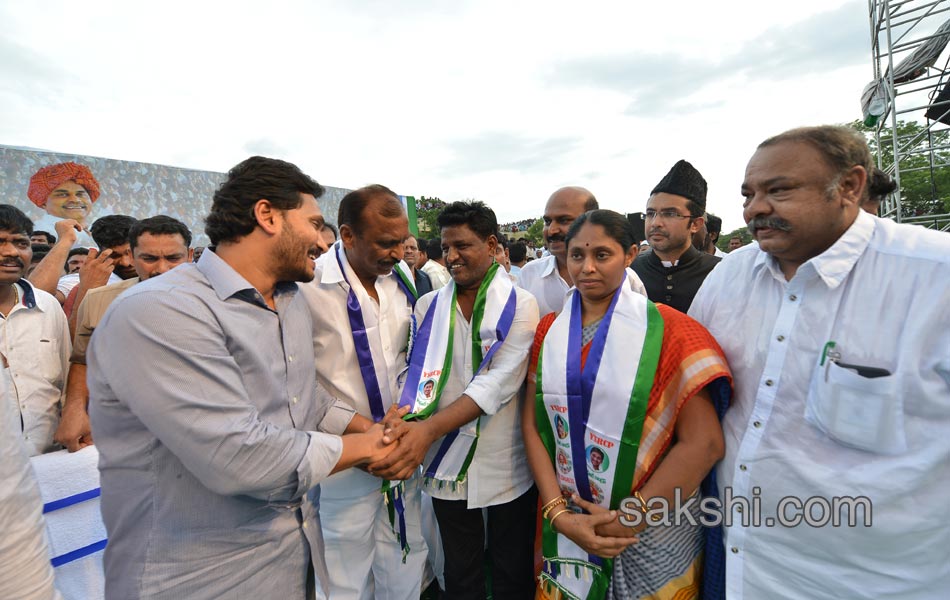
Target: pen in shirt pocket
[831, 354]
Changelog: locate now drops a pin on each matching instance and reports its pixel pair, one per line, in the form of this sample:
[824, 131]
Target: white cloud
[495, 100]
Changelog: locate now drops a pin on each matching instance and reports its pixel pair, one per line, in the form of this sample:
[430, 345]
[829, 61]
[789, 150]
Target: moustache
[12, 263]
[556, 238]
[757, 223]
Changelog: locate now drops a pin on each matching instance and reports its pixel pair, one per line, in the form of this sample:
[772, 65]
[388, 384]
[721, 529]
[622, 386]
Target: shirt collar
[331, 268]
[28, 298]
[691, 254]
[227, 282]
[550, 266]
[834, 264]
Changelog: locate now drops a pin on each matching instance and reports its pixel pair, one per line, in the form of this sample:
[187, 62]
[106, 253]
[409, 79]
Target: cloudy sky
[499, 101]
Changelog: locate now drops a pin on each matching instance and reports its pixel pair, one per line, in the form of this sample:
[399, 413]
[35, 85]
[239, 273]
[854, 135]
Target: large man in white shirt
[547, 278]
[470, 445]
[361, 310]
[34, 340]
[837, 331]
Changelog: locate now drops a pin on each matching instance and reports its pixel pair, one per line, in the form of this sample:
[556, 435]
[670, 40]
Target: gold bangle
[556, 515]
[555, 504]
[643, 508]
[552, 503]
[643, 503]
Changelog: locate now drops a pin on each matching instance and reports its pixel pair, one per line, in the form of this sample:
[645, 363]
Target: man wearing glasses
[674, 270]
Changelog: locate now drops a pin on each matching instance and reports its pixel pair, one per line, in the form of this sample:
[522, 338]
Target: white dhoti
[364, 557]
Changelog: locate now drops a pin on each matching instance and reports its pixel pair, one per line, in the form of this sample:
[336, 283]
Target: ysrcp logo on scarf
[596, 493]
[562, 427]
[425, 394]
[563, 462]
[597, 459]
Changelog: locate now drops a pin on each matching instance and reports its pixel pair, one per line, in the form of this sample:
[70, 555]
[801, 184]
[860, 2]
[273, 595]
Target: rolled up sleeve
[323, 452]
[337, 418]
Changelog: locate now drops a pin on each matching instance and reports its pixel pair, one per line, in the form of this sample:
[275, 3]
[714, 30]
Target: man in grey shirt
[211, 429]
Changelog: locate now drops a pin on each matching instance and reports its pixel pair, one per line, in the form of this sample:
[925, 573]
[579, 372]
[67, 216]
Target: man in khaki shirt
[158, 244]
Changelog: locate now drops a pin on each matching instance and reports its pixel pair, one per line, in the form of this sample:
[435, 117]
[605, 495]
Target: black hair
[332, 227]
[695, 210]
[50, 238]
[232, 208]
[518, 251]
[422, 243]
[159, 225]
[13, 219]
[713, 224]
[615, 225]
[879, 185]
[41, 248]
[476, 214]
[112, 230]
[77, 251]
[353, 204]
[434, 248]
[502, 239]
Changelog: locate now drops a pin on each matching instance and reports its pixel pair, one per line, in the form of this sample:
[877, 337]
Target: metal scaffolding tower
[910, 83]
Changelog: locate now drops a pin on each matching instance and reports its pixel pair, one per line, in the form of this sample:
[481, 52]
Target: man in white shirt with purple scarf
[361, 302]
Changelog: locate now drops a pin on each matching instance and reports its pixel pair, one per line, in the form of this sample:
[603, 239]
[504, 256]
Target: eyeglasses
[664, 215]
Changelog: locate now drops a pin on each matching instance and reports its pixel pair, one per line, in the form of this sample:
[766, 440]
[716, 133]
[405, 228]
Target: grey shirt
[204, 407]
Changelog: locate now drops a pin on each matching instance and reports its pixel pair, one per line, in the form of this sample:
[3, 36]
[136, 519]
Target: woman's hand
[583, 531]
[612, 528]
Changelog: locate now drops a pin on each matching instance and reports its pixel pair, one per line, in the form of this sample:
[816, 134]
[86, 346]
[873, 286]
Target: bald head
[575, 194]
[564, 205]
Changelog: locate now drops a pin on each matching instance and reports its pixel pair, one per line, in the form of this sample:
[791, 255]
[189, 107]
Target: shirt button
[295, 400]
[793, 297]
[739, 508]
[769, 382]
[669, 278]
[757, 424]
[305, 525]
[743, 468]
[781, 338]
[669, 287]
[735, 550]
[290, 358]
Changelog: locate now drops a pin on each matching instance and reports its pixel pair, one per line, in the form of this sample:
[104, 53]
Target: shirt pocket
[856, 411]
[47, 361]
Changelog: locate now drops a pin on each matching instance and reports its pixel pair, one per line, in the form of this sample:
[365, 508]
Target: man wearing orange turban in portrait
[67, 191]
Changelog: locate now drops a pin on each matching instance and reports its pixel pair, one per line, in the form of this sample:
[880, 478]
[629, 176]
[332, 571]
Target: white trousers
[364, 557]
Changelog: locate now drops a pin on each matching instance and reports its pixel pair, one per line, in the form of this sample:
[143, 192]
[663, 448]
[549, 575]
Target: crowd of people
[310, 411]
[517, 226]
